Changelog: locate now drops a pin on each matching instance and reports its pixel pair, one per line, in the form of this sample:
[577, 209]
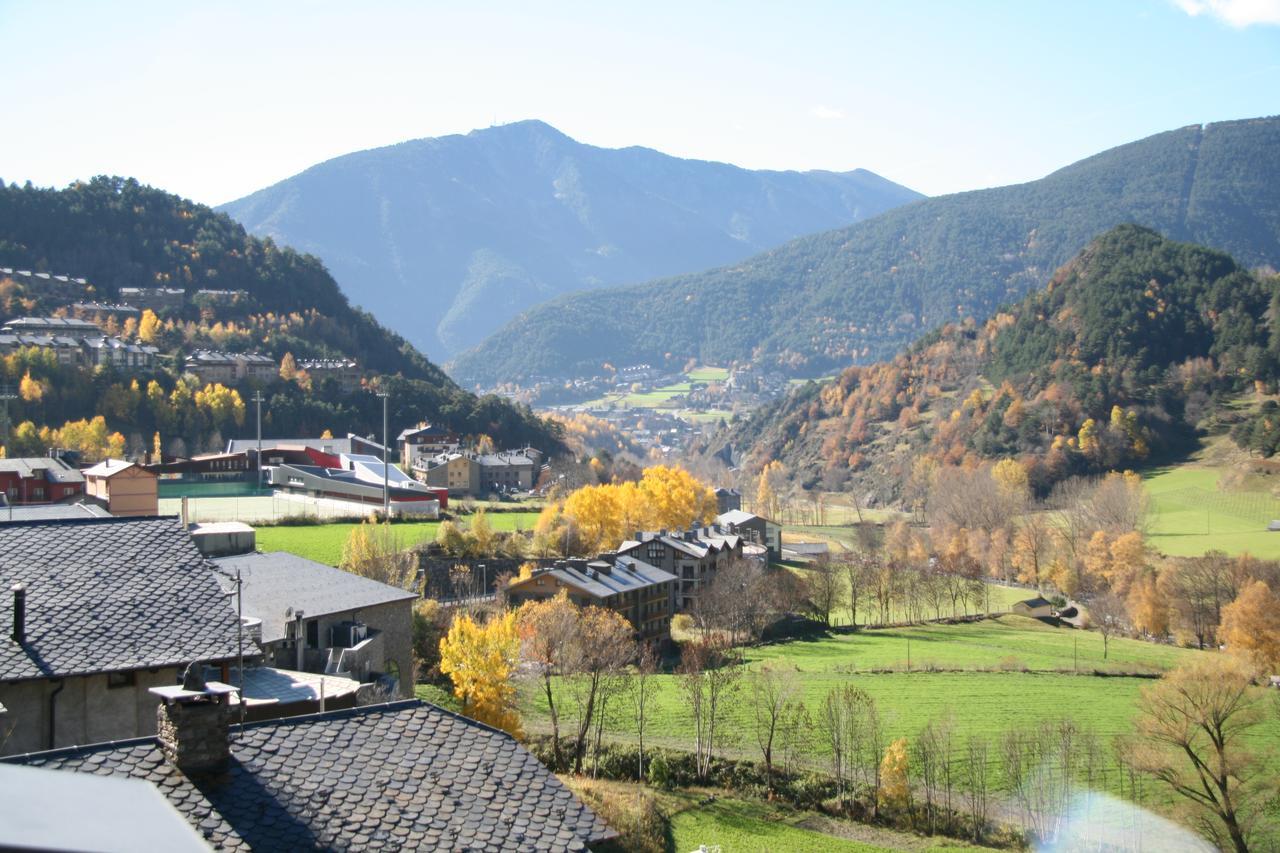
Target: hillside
[448, 238]
[1136, 343]
[118, 233]
[862, 292]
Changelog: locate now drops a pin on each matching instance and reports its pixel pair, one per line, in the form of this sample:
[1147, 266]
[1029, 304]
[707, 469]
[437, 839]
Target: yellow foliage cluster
[594, 518]
[481, 660]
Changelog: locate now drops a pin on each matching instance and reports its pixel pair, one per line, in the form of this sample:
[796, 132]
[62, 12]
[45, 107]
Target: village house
[469, 474]
[728, 500]
[642, 593]
[157, 299]
[232, 367]
[344, 371]
[693, 556]
[422, 442]
[404, 775]
[76, 342]
[100, 611]
[100, 311]
[68, 326]
[122, 488]
[315, 618]
[39, 480]
[756, 529]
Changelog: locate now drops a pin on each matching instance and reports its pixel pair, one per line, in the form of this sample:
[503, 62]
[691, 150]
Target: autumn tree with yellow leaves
[481, 659]
[594, 518]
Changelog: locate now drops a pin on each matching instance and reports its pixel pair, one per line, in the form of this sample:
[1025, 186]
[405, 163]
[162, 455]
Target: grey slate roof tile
[406, 775]
[110, 594]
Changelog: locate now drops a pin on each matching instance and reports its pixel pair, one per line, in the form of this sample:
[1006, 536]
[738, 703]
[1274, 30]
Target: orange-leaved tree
[1251, 626]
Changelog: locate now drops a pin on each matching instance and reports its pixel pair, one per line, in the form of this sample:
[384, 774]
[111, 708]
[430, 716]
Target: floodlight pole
[257, 398]
[386, 460]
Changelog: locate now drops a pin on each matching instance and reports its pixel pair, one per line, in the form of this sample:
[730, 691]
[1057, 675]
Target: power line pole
[257, 398]
[386, 461]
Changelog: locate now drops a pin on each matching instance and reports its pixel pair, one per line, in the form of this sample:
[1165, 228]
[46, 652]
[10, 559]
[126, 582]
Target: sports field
[1190, 514]
[323, 542]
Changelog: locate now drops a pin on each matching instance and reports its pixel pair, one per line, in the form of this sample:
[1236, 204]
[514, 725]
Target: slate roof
[276, 582]
[51, 512]
[628, 574]
[110, 594]
[55, 470]
[1035, 602]
[405, 775]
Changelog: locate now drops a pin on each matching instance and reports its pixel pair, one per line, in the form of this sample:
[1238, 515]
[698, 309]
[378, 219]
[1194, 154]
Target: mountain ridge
[452, 235]
[863, 291]
[1138, 342]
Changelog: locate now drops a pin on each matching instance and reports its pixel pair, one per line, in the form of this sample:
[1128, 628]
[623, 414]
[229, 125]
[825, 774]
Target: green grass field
[1189, 514]
[980, 701]
[323, 542]
[708, 374]
[736, 822]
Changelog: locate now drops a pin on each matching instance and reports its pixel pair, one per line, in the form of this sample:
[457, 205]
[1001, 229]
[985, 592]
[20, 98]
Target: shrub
[682, 622]
[660, 772]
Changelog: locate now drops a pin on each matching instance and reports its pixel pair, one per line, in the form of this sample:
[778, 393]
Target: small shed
[1035, 607]
[123, 488]
[1274, 526]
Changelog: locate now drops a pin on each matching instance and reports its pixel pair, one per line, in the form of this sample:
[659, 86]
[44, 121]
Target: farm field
[323, 542]
[1189, 514]
[708, 374]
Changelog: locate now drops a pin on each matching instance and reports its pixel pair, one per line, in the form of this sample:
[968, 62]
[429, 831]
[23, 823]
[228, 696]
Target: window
[121, 679]
[313, 633]
[655, 551]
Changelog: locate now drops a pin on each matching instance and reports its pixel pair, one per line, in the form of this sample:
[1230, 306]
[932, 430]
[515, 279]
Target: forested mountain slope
[1135, 342]
[118, 233]
[446, 239]
[862, 292]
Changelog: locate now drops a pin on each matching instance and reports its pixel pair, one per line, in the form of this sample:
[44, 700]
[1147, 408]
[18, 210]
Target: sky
[214, 100]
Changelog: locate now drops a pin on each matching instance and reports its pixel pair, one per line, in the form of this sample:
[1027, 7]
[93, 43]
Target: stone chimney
[193, 722]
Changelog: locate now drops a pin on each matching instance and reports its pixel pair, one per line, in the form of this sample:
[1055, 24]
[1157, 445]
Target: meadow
[988, 677]
[1190, 514]
[323, 542]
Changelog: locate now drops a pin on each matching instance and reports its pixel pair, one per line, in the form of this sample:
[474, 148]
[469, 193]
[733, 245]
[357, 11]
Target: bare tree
[975, 780]
[643, 687]
[708, 678]
[739, 601]
[772, 687]
[606, 647]
[825, 591]
[1109, 615]
[858, 570]
[854, 733]
[551, 640]
[1193, 728]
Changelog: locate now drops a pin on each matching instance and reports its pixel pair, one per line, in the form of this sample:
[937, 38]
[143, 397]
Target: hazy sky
[213, 100]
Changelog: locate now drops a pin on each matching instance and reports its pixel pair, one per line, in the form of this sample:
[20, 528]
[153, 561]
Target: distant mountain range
[862, 292]
[447, 239]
